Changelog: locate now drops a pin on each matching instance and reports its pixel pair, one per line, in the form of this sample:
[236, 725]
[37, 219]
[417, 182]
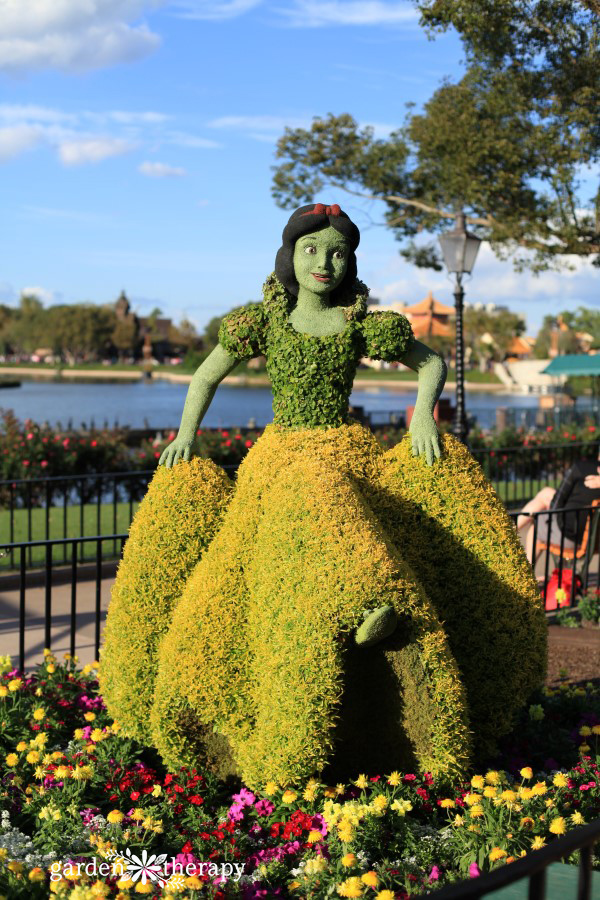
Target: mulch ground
[573, 654]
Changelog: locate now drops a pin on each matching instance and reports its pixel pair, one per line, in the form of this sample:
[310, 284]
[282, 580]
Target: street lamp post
[459, 248]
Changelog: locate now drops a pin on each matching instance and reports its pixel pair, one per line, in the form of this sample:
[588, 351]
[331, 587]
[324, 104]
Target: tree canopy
[511, 142]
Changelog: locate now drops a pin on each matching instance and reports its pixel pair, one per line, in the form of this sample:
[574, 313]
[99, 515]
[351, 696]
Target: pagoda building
[430, 318]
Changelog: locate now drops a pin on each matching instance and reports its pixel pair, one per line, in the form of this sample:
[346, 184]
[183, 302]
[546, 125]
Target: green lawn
[72, 521]
[91, 519]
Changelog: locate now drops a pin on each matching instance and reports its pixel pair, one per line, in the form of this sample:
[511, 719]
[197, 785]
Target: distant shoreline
[48, 373]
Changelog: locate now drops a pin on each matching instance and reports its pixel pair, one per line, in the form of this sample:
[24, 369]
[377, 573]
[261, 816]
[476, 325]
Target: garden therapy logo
[146, 868]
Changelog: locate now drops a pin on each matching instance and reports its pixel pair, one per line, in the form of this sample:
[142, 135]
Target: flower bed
[87, 813]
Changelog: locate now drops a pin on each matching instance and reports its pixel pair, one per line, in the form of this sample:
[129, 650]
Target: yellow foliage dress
[229, 640]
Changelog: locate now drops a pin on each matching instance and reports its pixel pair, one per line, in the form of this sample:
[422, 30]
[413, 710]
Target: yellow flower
[493, 778]
[362, 782]
[401, 806]
[527, 772]
[478, 782]
[558, 825]
[385, 895]
[525, 793]
[98, 735]
[539, 789]
[78, 734]
[289, 797]
[351, 887]
[14, 684]
[61, 772]
[82, 773]
[3, 690]
[394, 779]
[37, 874]
[192, 881]
[349, 859]
[560, 780]
[595, 729]
[490, 791]
[40, 740]
[447, 803]
[315, 865]
[577, 819]
[15, 866]
[584, 748]
[114, 817]
[472, 799]
[22, 745]
[537, 843]
[148, 888]
[156, 790]
[370, 879]
[497, 853]
[51, 668]
[585, 731]
[345, 832]
[549, 803]
[309, 794]
[509, 797]
[380, 803]
[89, 716]
[314, 836]
[33, 756]
[458, 820]
[137, 814]
[12, 759]
[527, 822]
[270, 788]
[476, 812]
[39, 713]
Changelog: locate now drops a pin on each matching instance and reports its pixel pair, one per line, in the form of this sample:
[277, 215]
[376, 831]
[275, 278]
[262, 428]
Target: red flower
[196, 800]
[187, 847]
[135, 795]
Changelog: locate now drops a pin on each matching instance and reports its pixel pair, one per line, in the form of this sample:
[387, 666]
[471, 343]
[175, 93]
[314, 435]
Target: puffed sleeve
[386, 335]
[242, 331]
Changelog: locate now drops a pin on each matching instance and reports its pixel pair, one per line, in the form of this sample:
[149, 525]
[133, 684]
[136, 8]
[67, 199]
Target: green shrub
[589, 606]
[174, 524]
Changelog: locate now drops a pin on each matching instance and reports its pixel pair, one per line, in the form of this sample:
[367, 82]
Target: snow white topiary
[347, 609]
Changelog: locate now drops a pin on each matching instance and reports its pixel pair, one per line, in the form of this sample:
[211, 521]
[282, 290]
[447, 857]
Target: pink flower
[30, 436]
[248, 443]
[474, 870]
[434, 875]
[264, 807]
[26, 462]
[93, 443]
[44, 463]
[244, 798]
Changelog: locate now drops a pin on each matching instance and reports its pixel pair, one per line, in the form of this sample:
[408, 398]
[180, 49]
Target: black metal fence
[535, 867]
[102, 503]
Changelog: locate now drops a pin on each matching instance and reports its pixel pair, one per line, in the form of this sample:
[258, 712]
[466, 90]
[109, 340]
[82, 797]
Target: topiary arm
[199, 396]
[431, 370]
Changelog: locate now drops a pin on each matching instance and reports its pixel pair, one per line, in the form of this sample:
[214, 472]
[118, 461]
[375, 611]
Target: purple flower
[318, 823]
[264, 807]
[88, 814]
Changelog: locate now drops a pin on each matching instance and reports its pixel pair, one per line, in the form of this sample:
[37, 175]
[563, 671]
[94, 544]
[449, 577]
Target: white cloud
[182, 139]
[266, 129]
[38, 114]
[81, 151]
[214, 10]
[125, 117]
[41, 293]
[160, 170]
[16, 139]
[73, 35]
[320, 13]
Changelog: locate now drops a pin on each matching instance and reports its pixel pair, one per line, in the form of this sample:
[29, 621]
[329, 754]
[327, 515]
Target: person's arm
[202, 389]
[561, 497]
[431, 370]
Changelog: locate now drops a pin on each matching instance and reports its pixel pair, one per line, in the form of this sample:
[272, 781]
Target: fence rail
[533, 867]
[75, 506]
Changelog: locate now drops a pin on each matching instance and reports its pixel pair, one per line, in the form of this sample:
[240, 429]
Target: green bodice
[312, 376]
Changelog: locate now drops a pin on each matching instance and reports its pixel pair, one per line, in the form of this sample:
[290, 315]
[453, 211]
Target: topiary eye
[310, 249]
[339, 254]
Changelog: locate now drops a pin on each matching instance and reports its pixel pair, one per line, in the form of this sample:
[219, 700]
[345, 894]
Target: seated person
[578, 490]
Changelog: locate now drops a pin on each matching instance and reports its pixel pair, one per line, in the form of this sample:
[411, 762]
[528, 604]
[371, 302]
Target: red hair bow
[320, 210]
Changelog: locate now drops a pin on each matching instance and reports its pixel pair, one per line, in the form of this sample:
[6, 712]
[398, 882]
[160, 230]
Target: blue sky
[137, 139]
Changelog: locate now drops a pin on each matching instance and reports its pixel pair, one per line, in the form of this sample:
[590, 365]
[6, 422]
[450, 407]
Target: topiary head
[310, 220]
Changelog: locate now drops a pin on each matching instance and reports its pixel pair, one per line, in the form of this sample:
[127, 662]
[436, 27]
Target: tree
[124, 336]
[25, 330]
[184, 336]
[508, 143]
[489, 334]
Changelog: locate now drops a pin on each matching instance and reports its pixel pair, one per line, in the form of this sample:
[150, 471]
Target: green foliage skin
[312, 376]
[179, 515]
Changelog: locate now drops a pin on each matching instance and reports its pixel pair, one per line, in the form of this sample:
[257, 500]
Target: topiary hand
[425, 437]
[379, 625]
[178, 449]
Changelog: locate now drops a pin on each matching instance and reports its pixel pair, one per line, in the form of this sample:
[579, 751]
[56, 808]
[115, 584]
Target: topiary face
[320, 261]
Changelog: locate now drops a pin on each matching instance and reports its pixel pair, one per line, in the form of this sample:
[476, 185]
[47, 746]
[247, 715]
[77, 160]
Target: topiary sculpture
[341, 608]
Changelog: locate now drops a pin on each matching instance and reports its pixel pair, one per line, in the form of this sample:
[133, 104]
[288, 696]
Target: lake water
[159, 404]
